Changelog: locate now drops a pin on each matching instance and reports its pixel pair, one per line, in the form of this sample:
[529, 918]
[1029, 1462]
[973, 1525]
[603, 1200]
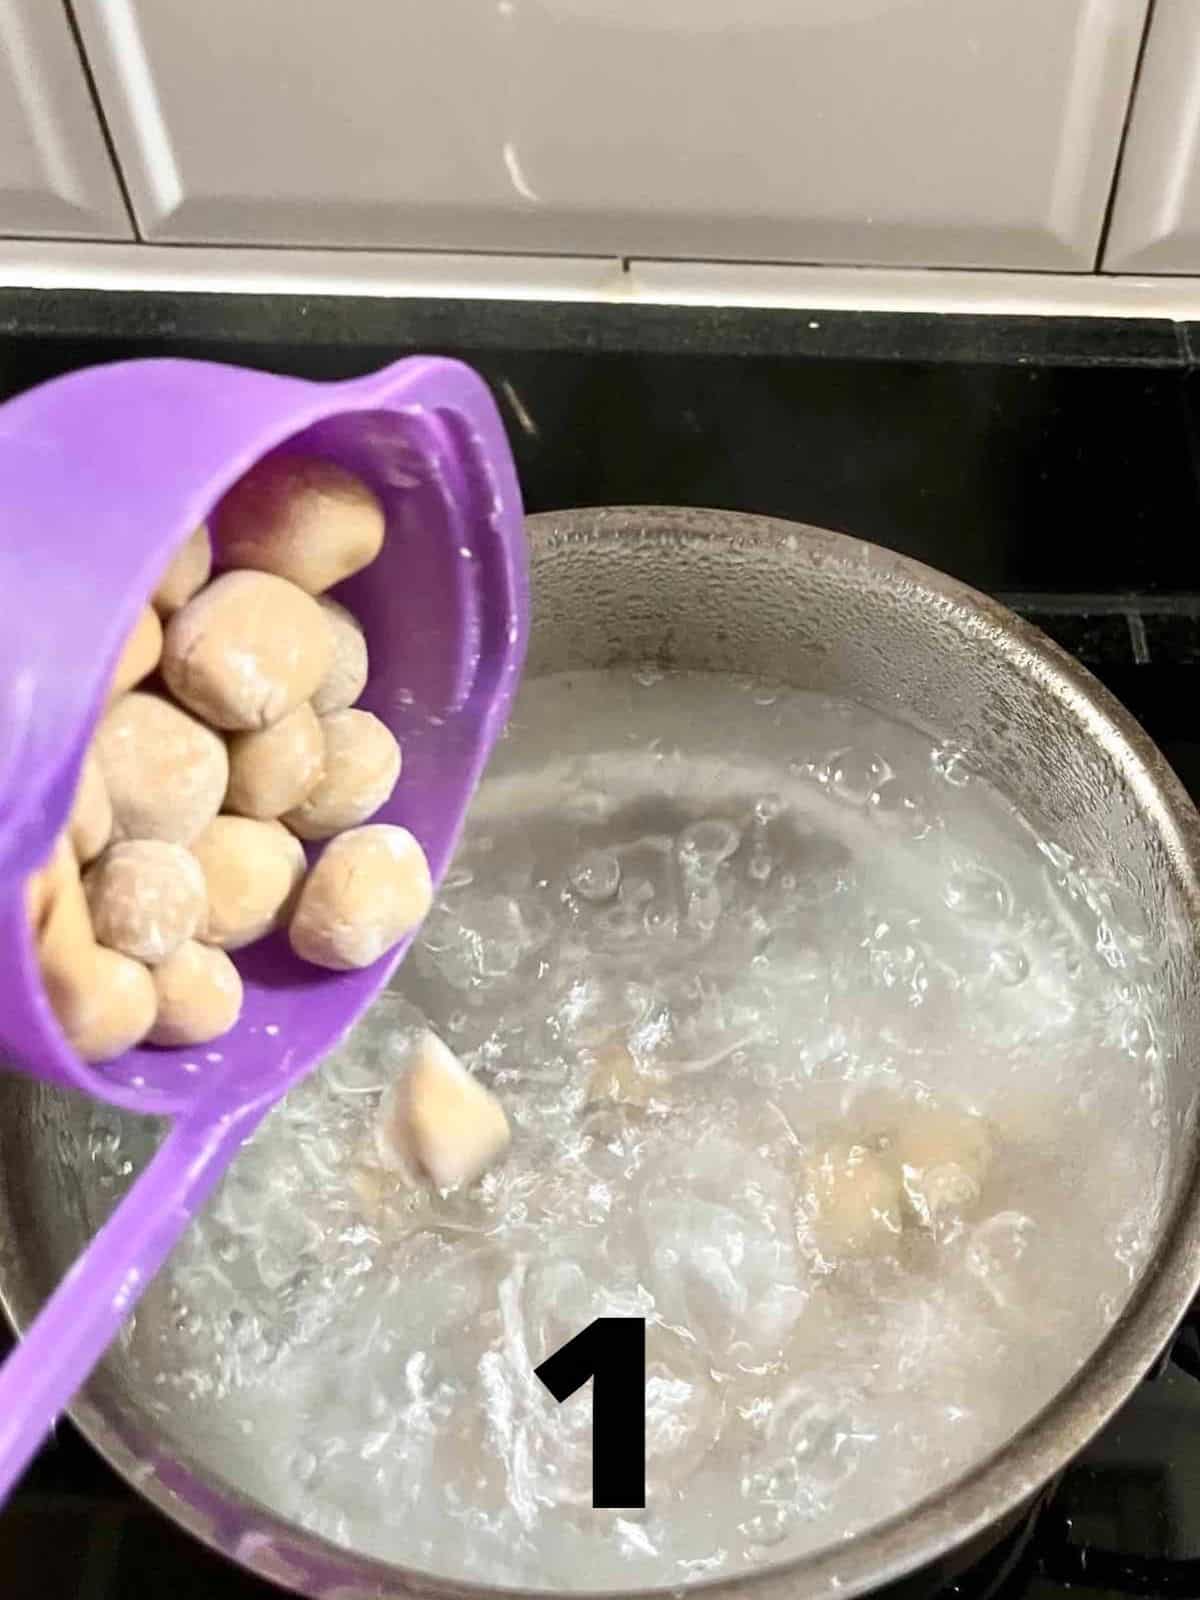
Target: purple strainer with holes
[103, 474]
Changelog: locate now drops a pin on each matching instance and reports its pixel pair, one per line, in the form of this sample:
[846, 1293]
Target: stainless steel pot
[723, 592]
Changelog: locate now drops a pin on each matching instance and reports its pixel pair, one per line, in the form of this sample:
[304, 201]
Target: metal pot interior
[727, 593]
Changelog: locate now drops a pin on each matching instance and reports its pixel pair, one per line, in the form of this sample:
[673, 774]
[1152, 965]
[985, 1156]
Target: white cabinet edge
[183, 269]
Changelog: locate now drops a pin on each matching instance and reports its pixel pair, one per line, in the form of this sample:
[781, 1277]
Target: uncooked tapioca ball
[944, 1158]
[347, 675]
[301, 518]
[91, 821]
[247, 650]
[440, 1119]
[189, 571]
[104, 1002]
[165, 772]
[57, 884]
[615, 1076]
[277, 768]
[141, 654]
[362, 763]
[252, 870]
[370, 887]
[199, 995]
[853, 1200]
[146, 896]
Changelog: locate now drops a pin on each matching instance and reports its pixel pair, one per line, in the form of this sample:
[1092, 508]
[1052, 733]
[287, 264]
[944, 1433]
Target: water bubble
[596, 876]
[995, 1252]
[1008, 965]
[704, 907]
[705, 845]
[977, 892]
[767, 807]
[854, 774]
[767, 1527]
[1138, 1037]
[951, 765]
[898, 810]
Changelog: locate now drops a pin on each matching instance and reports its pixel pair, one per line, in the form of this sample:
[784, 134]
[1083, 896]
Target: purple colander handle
[472, 634]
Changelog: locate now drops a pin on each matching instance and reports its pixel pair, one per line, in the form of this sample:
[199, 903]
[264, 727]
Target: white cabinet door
[929, 132]
[56, 178]
[1156, 213]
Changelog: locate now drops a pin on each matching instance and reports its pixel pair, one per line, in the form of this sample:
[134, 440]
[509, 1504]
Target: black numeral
[611, 1352]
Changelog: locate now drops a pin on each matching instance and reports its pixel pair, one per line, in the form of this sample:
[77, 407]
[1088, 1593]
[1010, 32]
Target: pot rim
[1000, 1484]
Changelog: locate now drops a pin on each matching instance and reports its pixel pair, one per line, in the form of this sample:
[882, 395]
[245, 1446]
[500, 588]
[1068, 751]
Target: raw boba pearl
[141, 654]
[369, 889]
[302, 519]
[347, 675]
[251, 872]
[91, 821]
[188, 573]
[165, 772]
[146, 897]
[944, 1157]
[854, 1200]
[104, 1002]
[362, 763]
[55, 885]
[246, 651]
[199, 995]
[441, 1118]
[277, 768]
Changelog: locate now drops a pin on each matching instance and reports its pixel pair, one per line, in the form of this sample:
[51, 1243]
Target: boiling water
[699, 934]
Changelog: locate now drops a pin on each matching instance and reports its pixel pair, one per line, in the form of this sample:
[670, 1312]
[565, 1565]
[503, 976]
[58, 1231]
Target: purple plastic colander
[103, 475]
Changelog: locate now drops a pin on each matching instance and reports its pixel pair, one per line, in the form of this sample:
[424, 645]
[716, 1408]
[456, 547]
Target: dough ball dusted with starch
[104, 1002]
[91, 822]
[146, 896]
[370, 887]
[362, 764]
[277, 768]
[199, 995]
[439, 1118]
[251, 872]
[853, 1200]
[141, 654]
[166, 773]
[347, 675]
[944, 1158]
[189, 571]
[247, 650]
[54, 895]
[300, 518]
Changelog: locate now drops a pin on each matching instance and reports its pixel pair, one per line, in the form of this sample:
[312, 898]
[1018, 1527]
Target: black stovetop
[1053, 462]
